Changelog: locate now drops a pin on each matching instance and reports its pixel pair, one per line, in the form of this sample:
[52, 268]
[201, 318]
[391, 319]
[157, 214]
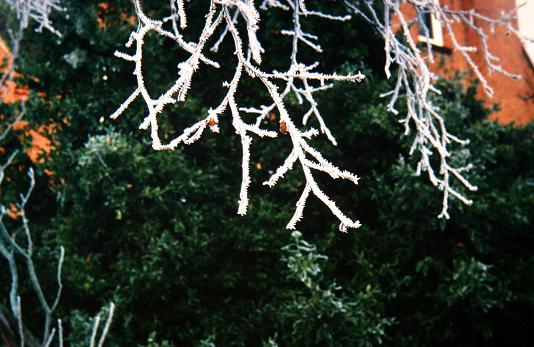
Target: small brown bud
[283, 127]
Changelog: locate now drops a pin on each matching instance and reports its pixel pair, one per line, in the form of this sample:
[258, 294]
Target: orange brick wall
[10, 93]
[515, 97]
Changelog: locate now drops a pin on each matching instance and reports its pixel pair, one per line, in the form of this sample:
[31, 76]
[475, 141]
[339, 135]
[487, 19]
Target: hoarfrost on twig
[17, 249]
[300, 80]
[415, 81]
[35, 10]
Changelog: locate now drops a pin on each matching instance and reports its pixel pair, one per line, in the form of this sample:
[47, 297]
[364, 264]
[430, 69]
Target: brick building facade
[515, 97]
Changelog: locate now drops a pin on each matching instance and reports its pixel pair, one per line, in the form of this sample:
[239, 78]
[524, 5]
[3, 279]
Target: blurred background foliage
[158, 233]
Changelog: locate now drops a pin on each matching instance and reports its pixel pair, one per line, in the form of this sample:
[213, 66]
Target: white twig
[300, 80]
[416, 80]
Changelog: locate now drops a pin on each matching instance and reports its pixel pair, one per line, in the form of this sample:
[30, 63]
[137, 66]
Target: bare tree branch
[300, 80]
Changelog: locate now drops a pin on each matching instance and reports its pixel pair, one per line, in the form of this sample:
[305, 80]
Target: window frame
[435, 31]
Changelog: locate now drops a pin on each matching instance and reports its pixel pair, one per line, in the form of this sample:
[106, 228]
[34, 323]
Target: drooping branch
[38, 11]
[300, 80]
[416, 82]
[26, 11]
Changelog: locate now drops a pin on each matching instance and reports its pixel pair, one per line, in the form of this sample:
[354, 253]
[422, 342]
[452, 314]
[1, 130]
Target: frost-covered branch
[416, 82]
[299, 80]
[11, 248]
[17, 249]
[35, 10]
[26, 11]
[16, 243]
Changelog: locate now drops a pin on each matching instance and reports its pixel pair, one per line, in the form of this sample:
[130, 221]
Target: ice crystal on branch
[416, 82]
[17, 248]
[300, 80]
[35, 10]
[25, 11]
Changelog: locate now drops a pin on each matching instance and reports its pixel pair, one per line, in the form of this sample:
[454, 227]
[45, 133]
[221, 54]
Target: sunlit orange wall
[515, 97]
[9, 93]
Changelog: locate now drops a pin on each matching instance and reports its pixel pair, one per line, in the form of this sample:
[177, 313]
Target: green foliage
[152, 342]
[157, 232]
[320, 316]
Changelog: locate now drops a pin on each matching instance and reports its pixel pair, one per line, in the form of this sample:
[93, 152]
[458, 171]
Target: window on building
[429, 27]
